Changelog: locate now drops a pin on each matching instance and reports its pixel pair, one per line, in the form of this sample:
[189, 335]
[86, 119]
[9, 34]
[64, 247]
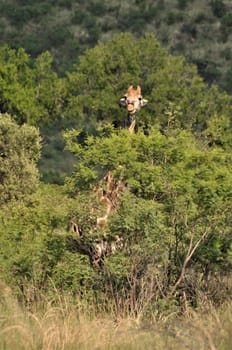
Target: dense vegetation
[173, 217]
[199, 30]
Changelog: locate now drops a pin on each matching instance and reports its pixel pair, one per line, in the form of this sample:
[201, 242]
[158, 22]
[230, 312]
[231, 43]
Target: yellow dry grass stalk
[72, 326]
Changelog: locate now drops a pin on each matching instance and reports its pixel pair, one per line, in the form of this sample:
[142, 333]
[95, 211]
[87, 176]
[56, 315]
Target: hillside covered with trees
[199, 30]
[165, 249]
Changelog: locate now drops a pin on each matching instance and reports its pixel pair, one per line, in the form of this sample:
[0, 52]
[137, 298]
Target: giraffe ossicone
[132, 101]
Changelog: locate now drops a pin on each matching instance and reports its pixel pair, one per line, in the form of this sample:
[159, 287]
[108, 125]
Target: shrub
[182, 4]
[218, 8]
[19, 153]
[227, 20]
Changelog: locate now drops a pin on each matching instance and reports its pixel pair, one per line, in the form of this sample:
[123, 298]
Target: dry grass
[71, 326]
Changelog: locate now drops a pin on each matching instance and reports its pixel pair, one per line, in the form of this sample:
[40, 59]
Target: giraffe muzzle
[130, 108]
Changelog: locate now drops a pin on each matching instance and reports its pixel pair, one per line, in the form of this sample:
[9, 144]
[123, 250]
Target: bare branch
[191, 250]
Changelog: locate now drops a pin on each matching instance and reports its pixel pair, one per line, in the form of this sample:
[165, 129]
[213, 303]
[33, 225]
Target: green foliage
[182, 4]
[173, 217]
[177, 95]
[67, 28]
[228, 80]
[179, 198]
[33, 251]
[226, 25]
[73, 274]
[19, 153]
[16, 88]
[31, 94]
[227, 20]
[18, 15]
[49, 89]
[218, 8]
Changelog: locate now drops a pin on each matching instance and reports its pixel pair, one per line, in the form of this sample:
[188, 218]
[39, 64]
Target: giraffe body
[108, 192]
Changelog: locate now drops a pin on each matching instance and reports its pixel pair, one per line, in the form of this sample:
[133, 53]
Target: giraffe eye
[140, 98]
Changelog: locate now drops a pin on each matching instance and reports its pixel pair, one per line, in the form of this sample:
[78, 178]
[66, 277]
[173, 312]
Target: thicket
[67, 28]
[33, 93]
[174, 219]
[19, 153]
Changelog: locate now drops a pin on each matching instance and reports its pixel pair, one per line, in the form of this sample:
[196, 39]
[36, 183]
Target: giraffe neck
[131, 122]
[132, 127]
[109, 198]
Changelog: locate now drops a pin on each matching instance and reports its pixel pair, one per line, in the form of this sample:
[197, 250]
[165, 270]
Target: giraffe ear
[123, 102]
[143, 102]
[139, 90]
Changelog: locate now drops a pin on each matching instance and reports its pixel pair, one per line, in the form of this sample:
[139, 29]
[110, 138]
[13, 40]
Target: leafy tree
[176, 94]
[174, 215]
[184, 27]
[33, 94]
[19, 153]
[16, 88]
[49, 89]
[218, 8]
[226, 24]
[33, 253]
[171, 219]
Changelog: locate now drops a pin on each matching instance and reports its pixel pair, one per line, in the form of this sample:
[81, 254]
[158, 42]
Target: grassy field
[72, 325]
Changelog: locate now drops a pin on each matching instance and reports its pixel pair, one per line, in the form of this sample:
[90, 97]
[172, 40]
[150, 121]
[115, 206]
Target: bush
[19, 153]
[227, 53]
[97, 8]
[228, 80]
[226, 24]
[173, 17]
[182, 4]
[31, 239]
[227, 20]
[173, 218]
[218, 8]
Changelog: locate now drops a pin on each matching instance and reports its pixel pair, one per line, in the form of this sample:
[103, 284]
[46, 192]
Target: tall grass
[73, 325]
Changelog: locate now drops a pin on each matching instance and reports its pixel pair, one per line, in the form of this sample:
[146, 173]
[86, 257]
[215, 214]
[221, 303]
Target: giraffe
[107, 192]
[132, 101]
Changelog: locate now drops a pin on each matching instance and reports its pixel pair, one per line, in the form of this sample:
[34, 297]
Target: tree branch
[191, 250]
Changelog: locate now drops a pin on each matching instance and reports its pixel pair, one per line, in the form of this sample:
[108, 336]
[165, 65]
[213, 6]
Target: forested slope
[138, 225]
[33, 93]
[170, 229]
[199, 30]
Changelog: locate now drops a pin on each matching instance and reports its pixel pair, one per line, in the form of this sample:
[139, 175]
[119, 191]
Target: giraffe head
[133, 100]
